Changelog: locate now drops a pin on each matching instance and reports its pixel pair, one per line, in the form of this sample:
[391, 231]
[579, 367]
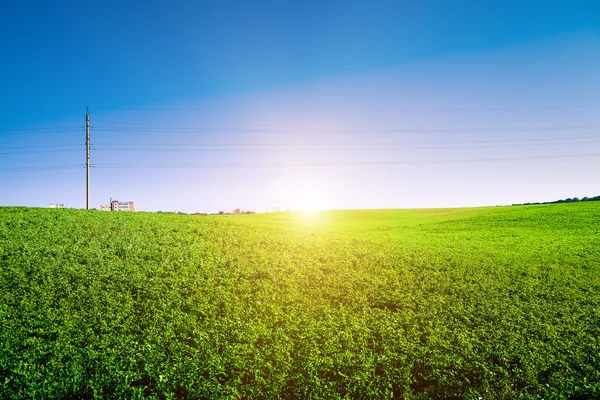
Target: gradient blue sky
[214, 105]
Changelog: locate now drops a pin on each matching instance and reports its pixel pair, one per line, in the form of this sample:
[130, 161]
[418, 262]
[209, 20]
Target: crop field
[480, 303]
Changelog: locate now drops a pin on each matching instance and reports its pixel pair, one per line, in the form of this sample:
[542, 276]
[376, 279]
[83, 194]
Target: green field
[498, 302]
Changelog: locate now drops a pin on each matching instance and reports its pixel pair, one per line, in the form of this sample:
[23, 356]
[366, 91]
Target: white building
[55, 205]
[116, 205]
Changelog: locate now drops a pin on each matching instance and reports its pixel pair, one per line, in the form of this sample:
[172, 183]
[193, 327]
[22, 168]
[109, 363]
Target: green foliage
[497, 303]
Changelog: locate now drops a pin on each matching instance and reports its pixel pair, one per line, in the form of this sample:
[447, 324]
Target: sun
[309, 202]
[300, 195]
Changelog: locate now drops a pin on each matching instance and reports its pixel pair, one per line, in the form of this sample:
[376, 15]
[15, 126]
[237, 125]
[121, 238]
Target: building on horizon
[116, 205]
[56, 205]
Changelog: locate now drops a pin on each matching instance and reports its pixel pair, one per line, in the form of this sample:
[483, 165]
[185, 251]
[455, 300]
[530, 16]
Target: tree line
[569, 200]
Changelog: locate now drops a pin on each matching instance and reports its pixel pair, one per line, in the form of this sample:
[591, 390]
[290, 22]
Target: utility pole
[87, 156]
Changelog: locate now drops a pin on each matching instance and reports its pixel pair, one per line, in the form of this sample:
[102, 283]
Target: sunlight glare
[298, 195]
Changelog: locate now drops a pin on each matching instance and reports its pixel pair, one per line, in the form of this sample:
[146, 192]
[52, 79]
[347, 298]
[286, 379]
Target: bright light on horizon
[300, 195]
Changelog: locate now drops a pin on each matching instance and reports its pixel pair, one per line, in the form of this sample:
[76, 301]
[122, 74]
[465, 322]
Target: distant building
[56, 206]
[116, 205]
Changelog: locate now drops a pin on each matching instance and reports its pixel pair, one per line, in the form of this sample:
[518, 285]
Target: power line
[335, 146]
[145, 129]
[357, 110]
[307, 147]
[429, 142]
[283, 129]
[295, 146]
[41, 146]
[282, 147]
[54, 109]
[41, 168]
[364, 147]
[40, 151]
[349, 163]
[39, 130]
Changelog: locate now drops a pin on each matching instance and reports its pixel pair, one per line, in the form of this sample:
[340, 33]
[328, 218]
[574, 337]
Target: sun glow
[297, 195]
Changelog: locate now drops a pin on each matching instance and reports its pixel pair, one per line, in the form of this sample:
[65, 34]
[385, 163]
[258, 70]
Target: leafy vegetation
[490, 303]
[568, 200]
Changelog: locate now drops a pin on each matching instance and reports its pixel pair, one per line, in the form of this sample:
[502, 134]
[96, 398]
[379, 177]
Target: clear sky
[216, 105]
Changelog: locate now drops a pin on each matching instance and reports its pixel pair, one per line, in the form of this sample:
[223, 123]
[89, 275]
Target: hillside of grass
[494, 302]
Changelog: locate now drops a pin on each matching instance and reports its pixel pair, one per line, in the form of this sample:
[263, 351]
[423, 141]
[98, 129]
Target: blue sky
[208, 106]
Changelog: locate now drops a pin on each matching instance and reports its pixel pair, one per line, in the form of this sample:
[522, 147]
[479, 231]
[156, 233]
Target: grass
[496, 302]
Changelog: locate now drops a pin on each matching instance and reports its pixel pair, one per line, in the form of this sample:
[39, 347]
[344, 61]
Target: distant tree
[221, 212]
[237, 211]
[568, 200]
